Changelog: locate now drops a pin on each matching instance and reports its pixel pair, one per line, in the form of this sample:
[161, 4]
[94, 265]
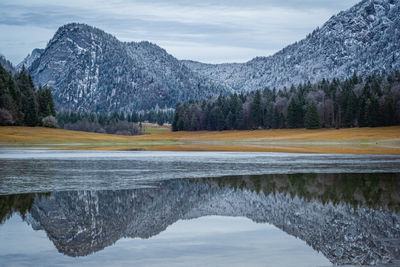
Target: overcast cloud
[207, 31]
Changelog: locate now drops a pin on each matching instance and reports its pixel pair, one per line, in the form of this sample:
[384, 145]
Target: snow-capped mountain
[364, 39]
[83, 222]
[90, 70]
[27, 62]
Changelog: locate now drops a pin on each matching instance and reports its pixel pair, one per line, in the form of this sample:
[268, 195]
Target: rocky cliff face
[364, 39]
[80, 223]
[29, 59]
[90, 70]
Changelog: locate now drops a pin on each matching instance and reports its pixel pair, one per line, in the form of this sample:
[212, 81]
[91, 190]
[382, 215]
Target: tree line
[113, 123]
[353, 102]
[22, 104]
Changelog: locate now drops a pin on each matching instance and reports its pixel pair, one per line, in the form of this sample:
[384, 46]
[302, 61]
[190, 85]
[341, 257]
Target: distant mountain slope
[28, 60]
[365, 39]
[7, 65]
[90, 70]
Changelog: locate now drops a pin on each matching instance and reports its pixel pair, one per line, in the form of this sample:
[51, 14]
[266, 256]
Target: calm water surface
[191, 208]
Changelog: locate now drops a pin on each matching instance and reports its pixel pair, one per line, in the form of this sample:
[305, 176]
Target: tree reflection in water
[350, 218]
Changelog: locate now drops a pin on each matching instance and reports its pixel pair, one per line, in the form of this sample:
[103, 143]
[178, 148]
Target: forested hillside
[354, 102]
[7, 65]
[92, 71]
[21, 103]
[364, 38]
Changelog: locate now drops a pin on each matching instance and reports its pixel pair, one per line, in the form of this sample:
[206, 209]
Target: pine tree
[350, 109]
[361, 113]
[6, 101]
[268, 117]
[31, 116]
[373, 113]
[230, 121]
[387, 112]
[15, 93]
[311, 118]
[275, 119]
[42, 103]
[291, 117]
[256, 112]
[29, 100]
[50, 101]
[220, 120]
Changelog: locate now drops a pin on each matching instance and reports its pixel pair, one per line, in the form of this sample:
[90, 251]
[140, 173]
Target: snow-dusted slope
[7, 65]
[365, 39]
[29, 59]
[90, 70]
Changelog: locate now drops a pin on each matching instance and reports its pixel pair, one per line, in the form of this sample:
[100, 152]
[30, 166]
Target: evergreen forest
[20, 102]
[353, 102]
[115, 122]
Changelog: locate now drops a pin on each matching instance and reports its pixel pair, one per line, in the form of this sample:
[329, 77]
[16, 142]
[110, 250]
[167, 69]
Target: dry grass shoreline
[380, 140]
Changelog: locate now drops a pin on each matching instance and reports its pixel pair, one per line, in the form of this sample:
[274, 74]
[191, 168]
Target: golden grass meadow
[380, 140]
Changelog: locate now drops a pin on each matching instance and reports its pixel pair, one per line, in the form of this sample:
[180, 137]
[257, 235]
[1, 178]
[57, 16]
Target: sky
[207, 31]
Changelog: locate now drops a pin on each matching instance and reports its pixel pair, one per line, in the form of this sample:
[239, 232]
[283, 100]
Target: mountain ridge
[7, 65]
[363, 39]
[91, 70]
[105, 74]
[29, 59]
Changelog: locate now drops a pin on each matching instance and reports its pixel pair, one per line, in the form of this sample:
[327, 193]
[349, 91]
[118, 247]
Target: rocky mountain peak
[90, 70]
[29, 59]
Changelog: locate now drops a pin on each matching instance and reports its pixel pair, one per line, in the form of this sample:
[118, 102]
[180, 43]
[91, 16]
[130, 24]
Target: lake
[198, 208]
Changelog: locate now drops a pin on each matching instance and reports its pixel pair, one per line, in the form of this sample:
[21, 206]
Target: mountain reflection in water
[350, 218]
